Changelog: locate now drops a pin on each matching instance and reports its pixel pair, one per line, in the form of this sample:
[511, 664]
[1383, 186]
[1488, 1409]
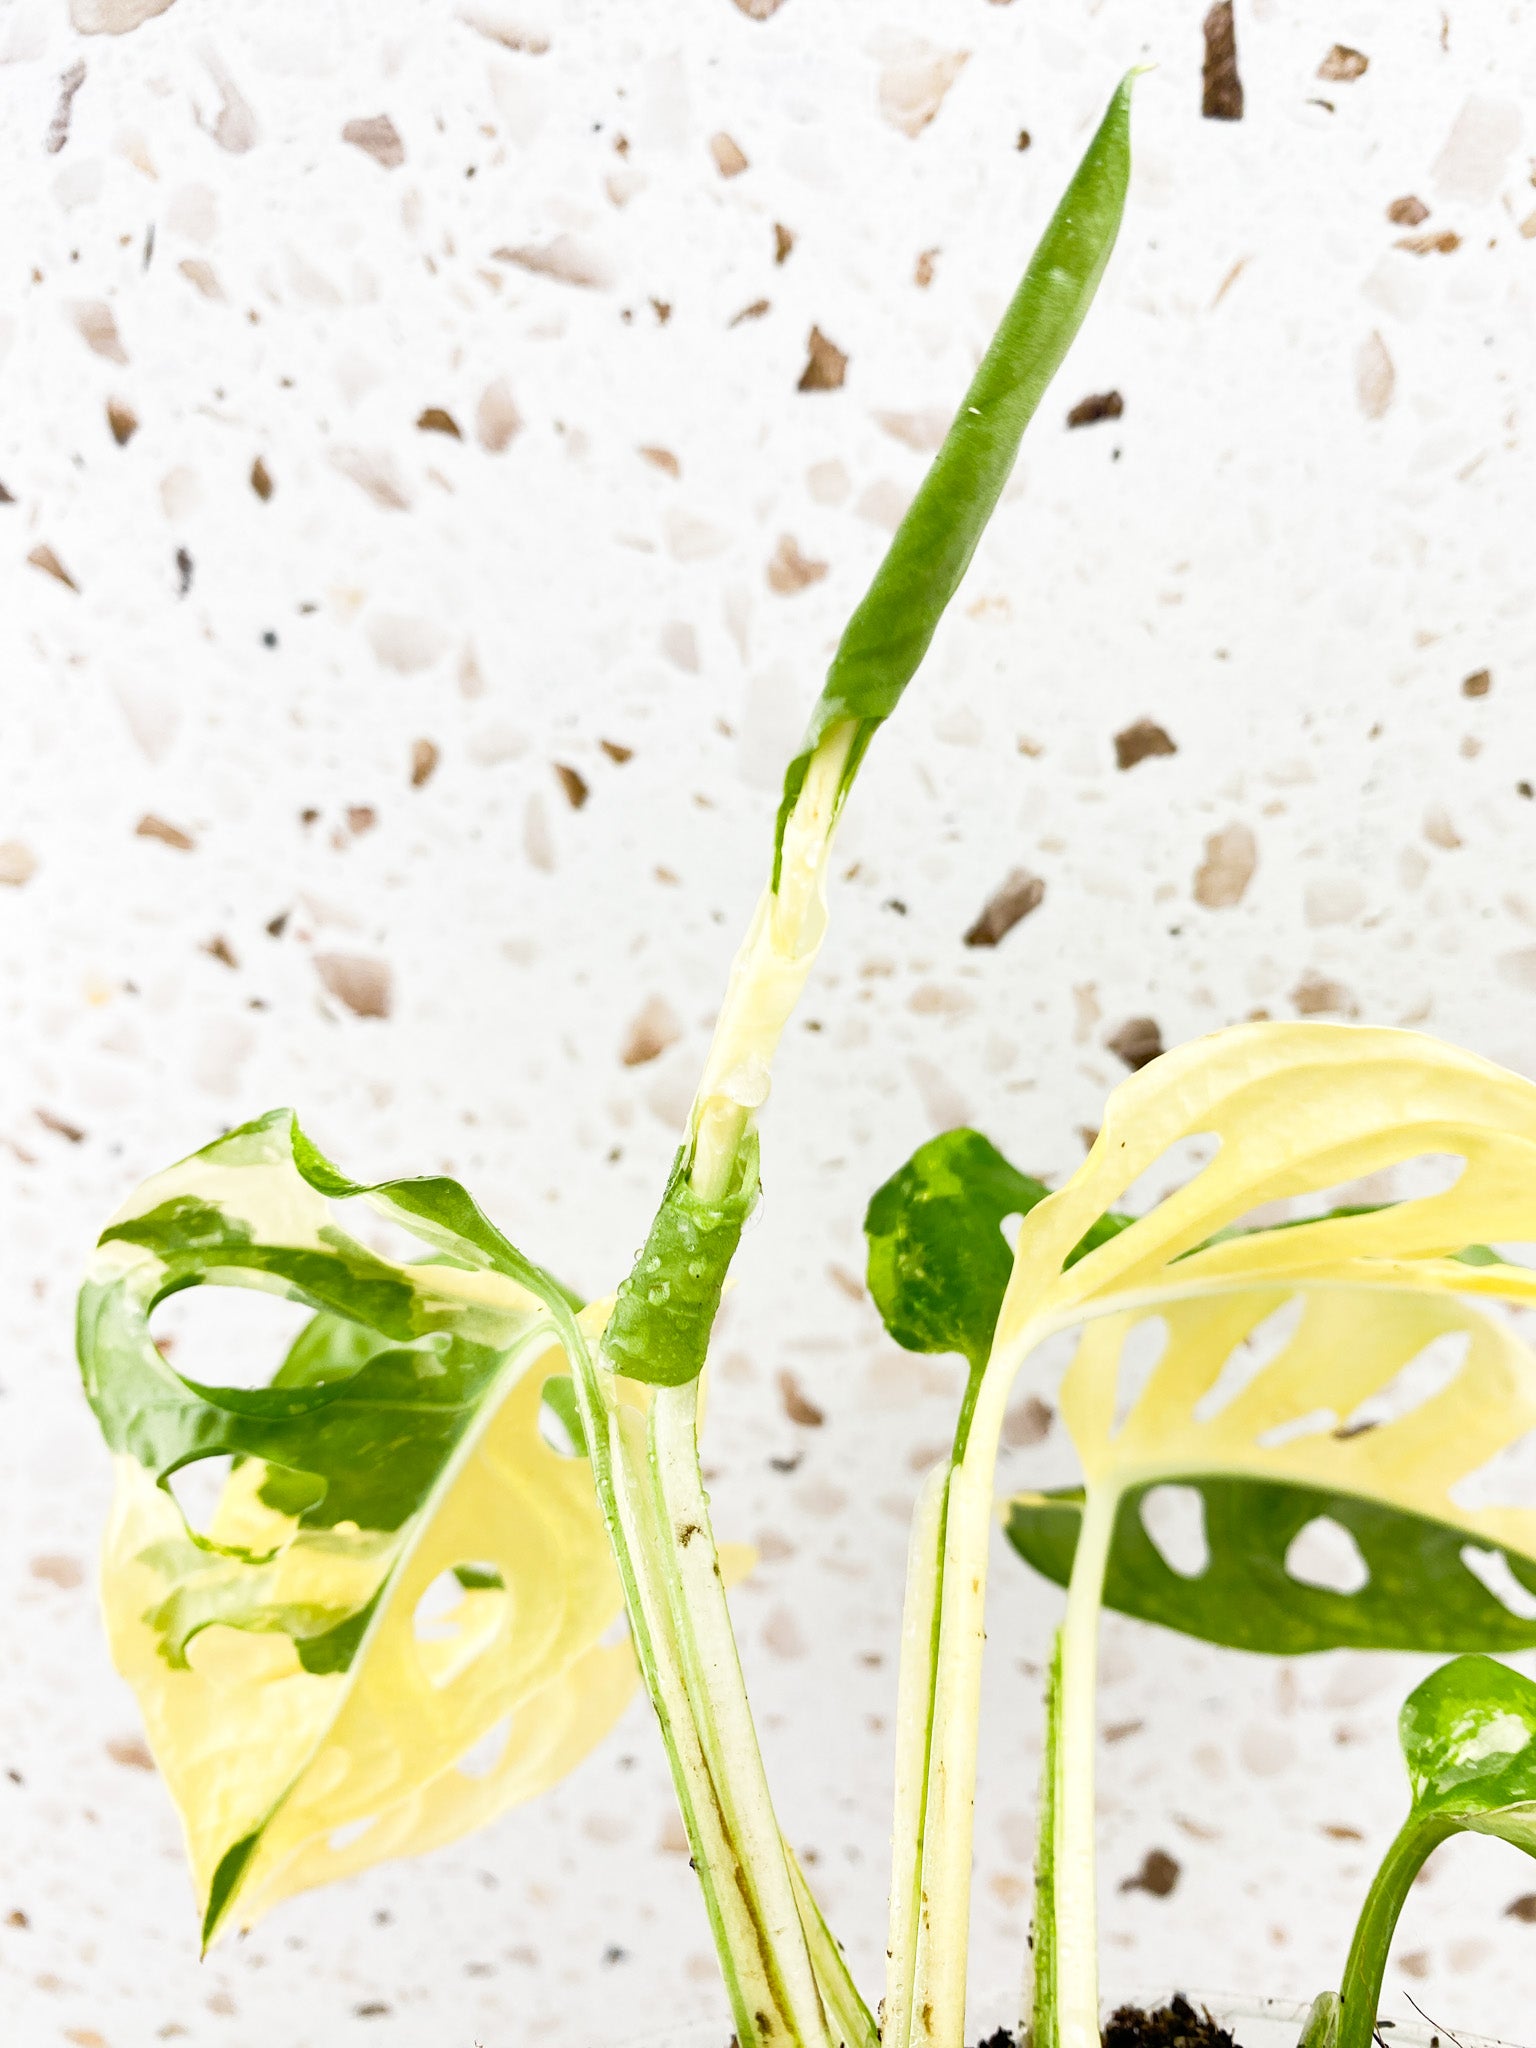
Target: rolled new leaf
[889, 633]
[304, 1724]
[1469, 1741]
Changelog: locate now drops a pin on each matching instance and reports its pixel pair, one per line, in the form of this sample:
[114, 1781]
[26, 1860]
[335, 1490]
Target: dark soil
[1177, 2025]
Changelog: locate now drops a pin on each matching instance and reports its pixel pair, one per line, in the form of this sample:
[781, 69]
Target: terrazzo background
[1310, 524]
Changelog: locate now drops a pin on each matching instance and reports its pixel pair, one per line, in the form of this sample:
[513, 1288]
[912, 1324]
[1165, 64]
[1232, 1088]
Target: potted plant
[455, 1417]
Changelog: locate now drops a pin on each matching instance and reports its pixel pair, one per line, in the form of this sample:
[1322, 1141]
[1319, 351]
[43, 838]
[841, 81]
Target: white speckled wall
[418, 554]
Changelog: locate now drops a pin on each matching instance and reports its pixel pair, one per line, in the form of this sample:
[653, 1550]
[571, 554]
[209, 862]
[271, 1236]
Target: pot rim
[1225, 2005]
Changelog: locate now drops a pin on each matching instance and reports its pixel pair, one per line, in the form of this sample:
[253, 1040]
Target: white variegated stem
[938, 1991]
[617, 1442]
[767, 976]
[914, 1729]
[653, 1498]
[1077, 1962]
[852, 2022]
[711, 1672]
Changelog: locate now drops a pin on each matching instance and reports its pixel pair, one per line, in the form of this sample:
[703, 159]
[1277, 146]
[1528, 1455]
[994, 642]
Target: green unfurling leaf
[1469, 1741]
[1421, 1594]
[659, 1330]
[888, 634]
[305, 1724]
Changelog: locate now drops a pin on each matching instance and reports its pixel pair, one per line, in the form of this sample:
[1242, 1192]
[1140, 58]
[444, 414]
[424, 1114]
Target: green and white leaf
[1469, 1741]
[303, 1729]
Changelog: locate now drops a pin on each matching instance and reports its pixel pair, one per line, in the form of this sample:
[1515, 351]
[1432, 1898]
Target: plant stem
[1039, 2022]
[1360, 1993]
[617, 1441]
[717, 1698]
[938, 1993]
[914, 1727]
[657, 1512]
[1076, 1894]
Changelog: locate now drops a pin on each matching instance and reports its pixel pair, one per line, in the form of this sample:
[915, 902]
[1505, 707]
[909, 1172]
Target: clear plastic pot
[1252, 2022]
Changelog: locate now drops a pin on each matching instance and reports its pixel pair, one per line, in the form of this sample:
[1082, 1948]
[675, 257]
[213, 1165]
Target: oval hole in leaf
[227, 1336]
[1174, 1519]
[484, 1754]
[1260, 1348]
[1502, 1481]
[1183, 1161]
[1427, 1373]
[1316, 1422]
[560, 1419]
[198, 1488]
[457, 1619]
[1324, 1554]
[1145, 1343]
[349, 1832]
[1410, 1180]
[1492, 1569]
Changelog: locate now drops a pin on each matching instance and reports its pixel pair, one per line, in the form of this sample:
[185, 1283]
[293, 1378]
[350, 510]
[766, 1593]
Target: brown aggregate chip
[436, 420]
[362, 983]
[826, 365]
[1158, 1875]
[1221, 97]
[797, 1407]
[1438, 242]
[1343, 64]
[378, 137]
[1099, 405]
[574, 783]
[424, 759]
[261, 480]
[1008, 905]
[1138, 1042]
[1144, 741]
[42, 557]
[58, 128]
[1407, 212]
[789, 570]
[730, 158]
[151, 827]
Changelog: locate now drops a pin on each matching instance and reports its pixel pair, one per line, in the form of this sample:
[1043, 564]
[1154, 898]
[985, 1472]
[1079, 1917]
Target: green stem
[1042, 1987]
[763, 2008]
[1360, 1994]
[916, 1683]
[717, 1698]
[1074, 1864]
[853, 2024]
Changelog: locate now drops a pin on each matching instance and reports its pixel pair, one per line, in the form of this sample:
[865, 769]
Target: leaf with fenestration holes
[1350, 1371]
[309, 1710]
